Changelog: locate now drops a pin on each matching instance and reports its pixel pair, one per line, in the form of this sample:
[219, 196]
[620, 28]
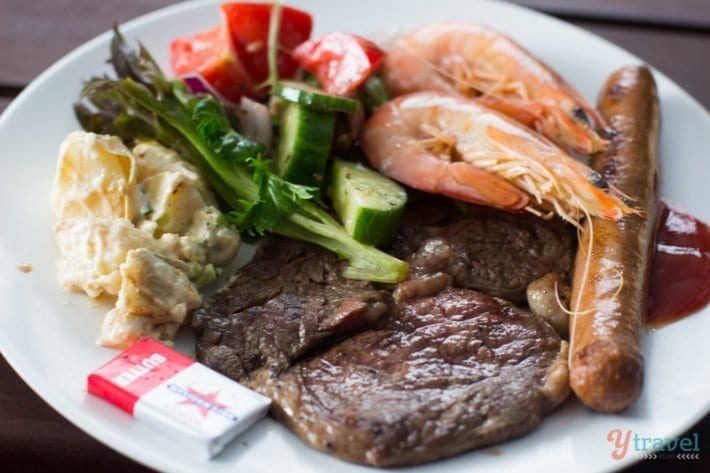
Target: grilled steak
[289, 299]
[442, 375]
[436, 376]
[485, 249]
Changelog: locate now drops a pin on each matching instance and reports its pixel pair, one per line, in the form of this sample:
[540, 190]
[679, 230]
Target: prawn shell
[507, 78]
[387, 142]
[450, 145]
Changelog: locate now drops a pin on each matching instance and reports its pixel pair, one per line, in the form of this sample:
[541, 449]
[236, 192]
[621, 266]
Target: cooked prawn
[473, 61]
[455, 146]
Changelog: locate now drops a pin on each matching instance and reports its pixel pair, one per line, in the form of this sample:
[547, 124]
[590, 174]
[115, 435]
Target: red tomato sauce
[680, 280]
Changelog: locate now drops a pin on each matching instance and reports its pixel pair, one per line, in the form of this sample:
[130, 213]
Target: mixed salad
[265, 187]
[256, 114]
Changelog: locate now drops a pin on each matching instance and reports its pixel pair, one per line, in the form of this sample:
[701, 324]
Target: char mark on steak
[288, 300]
[442, 375]
[479, 248]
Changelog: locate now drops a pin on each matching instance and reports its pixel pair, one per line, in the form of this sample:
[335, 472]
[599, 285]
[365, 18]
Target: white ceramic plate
[49, 337]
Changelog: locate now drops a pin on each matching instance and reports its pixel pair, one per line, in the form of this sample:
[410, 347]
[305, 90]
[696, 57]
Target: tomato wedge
[341, 62]
[212, 55]
[233, 56]
[248, 24]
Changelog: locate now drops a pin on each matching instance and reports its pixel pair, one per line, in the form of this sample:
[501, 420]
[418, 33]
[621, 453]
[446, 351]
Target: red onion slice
[199, 85]
[255, 121]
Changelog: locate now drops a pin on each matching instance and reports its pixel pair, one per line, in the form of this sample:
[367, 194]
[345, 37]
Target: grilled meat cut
[443, 374]
[288, 300]
[431, 377]
[480, 248]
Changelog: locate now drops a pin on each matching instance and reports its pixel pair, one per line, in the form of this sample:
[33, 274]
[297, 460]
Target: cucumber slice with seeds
[369, 204]
[304, 146]
[308, 96]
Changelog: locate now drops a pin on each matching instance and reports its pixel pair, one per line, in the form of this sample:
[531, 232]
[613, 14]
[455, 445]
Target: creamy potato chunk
[141, 226]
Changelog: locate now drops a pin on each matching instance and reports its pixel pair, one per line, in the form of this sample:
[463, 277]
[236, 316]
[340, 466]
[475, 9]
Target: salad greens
[143, 103]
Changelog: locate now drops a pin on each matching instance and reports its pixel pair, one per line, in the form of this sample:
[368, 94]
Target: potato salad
[140, 226]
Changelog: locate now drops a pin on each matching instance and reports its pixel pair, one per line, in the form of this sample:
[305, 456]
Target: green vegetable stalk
[143, 103]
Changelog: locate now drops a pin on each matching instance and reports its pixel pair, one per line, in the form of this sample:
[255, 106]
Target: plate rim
[93, 427]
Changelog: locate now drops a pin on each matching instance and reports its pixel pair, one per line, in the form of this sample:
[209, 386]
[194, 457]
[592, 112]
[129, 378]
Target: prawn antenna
[587, 265]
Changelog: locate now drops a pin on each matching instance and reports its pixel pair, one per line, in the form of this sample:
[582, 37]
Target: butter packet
[202, 409]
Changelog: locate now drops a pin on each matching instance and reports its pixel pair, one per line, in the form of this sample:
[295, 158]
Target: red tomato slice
[249, 25]
[212, 55]
[341, 62]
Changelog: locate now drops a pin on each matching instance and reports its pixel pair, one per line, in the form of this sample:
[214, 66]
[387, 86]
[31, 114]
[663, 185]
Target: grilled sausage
[606, 361]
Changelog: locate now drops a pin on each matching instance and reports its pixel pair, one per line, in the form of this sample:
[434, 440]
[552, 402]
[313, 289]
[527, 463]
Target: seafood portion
[473, 61]
[454, 146]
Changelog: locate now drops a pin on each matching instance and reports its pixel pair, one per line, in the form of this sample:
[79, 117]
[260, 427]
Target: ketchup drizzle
[680, 279]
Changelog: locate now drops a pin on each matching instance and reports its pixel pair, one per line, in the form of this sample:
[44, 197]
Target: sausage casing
[610, 300]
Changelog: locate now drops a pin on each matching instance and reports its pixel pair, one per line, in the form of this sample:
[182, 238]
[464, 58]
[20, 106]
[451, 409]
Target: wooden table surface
[674, 36]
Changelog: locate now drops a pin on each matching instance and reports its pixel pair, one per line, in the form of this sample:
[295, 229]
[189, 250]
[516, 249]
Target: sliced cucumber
[304, 144]
[369, 204]
[308, 96]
